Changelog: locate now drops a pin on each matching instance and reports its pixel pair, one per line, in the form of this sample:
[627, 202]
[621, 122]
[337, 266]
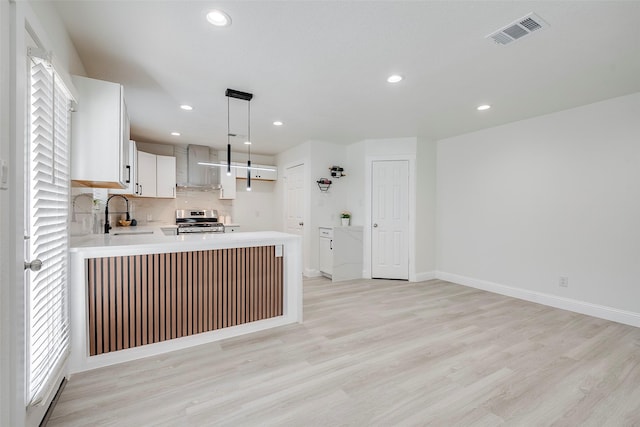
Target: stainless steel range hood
[190, 174]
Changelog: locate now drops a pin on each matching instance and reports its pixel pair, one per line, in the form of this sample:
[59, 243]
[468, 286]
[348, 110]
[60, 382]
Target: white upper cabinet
[263, 174]
[156, 175]
[146, 182]
[227, 183]
[100, 135]
[165, 176]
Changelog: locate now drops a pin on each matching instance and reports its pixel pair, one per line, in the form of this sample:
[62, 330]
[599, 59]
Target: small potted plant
[345, 216]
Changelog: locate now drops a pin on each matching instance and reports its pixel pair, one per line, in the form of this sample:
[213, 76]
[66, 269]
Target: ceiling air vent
[518, 29]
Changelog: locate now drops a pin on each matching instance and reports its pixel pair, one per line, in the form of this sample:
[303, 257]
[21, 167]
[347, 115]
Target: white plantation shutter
[48, 340]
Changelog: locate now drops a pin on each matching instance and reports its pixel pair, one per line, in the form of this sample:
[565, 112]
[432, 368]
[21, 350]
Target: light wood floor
[376, 352]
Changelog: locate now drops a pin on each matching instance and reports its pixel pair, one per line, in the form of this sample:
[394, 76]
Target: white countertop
[155, 241]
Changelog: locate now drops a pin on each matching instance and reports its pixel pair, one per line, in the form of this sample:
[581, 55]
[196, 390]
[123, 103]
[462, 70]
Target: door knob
[34, 265]
[375, 225]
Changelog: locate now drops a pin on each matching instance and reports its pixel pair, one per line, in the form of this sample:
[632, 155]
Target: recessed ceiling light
[395, 78]
[483, 107]
[186, 107]
[175, 133]
[218, 18]
[247, 143]
[278, 123]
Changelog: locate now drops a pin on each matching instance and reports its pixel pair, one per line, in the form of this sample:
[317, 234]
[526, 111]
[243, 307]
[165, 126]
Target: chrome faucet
[108, 227]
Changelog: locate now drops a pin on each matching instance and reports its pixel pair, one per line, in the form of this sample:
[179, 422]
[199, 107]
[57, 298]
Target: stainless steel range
[198, 221]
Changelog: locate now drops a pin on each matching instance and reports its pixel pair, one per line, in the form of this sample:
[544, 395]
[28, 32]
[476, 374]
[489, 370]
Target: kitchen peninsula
[140, 292]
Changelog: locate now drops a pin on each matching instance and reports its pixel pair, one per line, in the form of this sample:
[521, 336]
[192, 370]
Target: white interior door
[390, 219]
[295, 200]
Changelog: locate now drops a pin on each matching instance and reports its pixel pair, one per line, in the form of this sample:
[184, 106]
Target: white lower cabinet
[156, 175]
[325, 252]
[340, 252]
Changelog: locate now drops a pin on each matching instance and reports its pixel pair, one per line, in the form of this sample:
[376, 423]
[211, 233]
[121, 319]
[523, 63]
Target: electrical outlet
[563, 282]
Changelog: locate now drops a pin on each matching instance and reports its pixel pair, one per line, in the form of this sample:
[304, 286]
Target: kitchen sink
[128, 233]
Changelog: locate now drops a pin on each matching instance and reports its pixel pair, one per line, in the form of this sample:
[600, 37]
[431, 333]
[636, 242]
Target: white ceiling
[321, 66]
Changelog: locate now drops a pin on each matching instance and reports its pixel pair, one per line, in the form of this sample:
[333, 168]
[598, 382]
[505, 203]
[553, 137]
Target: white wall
[356, 167]
[388, 149]
[321, 208]
[325, 206]
[295, 156]
[254, 209]
[559, 195]
[426, 155]
[7, 340]
[56, 40]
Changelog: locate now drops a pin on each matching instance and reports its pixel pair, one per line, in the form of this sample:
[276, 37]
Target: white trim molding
[424, 276]
[582, 307]
[311, 272]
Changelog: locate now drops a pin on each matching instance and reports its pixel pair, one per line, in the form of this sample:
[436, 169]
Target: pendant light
[232, 93]
[228, 139]
[248, 142]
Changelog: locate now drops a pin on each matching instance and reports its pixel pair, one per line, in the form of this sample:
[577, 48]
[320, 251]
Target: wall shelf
[324, 184]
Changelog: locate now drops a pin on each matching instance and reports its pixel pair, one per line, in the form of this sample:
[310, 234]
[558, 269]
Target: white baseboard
[595, 310]
[311, 272]
[423, 276]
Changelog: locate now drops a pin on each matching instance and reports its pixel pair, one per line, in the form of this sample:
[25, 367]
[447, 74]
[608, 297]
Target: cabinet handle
[140, 194]
[128, 174]
[331, 244]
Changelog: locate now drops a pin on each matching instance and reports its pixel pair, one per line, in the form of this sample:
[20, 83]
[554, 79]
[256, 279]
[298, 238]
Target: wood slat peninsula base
[137, 296]
[143, 299]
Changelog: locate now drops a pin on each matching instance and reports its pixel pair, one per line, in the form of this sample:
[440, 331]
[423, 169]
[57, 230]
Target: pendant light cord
[249, 145]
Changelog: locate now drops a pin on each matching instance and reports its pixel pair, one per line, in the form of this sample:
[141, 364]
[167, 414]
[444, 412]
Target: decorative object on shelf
[345, 217]
[244, 96]
[337, 171]
[324, 184]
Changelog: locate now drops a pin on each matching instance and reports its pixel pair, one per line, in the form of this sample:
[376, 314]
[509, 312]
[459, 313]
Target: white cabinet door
[232, 229]
[124, 141]
[390, 219]
[326, 256]
[265, 175]
[227, 183]
[165, 176]
[132, 172]
[146, 183]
